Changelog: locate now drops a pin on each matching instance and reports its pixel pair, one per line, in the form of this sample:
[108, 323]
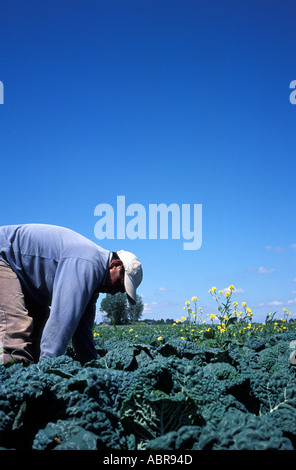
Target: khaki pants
[21, 321]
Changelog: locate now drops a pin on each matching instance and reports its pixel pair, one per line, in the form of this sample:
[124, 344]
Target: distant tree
[119, 311]
[135, 311]
[115, 307]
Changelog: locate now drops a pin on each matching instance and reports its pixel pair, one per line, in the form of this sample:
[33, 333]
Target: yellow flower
[212, 316]
[194, 316]
[183, 318]
[234, 304]
[160, 338]
[220, 292]
[284, 309]
[227, 294]
[174, 324]
[194, 299]
[231, 287]
[96, 334]
[187, 303]
[212, 290]
[131, 330]
[244, 304]
[178, 321]
[182, 337]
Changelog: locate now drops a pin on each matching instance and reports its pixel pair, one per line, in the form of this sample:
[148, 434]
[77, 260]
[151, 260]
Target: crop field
[224, 383]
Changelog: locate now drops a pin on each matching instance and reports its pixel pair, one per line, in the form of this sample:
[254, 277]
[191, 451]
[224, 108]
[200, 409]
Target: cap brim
[130, 300]
[130, 289]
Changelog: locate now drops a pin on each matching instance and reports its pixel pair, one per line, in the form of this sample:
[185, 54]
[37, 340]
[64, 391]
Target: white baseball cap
[133, 274]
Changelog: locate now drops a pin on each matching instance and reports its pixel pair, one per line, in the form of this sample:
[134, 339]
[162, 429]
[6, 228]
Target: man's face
[115, 279]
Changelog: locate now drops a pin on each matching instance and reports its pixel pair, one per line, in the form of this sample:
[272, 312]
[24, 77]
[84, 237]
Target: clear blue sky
[162, 101]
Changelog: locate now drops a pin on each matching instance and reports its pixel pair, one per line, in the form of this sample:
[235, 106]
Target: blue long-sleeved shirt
[60, 268]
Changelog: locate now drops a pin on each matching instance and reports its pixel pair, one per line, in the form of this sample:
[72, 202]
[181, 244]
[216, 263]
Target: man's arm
[74, 284]
[83, 340]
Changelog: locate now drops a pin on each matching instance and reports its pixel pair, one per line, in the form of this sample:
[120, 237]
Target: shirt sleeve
[74, 284]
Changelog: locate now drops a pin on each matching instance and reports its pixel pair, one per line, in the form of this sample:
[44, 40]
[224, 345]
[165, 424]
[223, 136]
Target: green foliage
[235, 431]
[115, 308]
[146, 393]
[149, 415]
[54, 434]
[243, 431]
[235, 324]
[118, 310]
[134, 312]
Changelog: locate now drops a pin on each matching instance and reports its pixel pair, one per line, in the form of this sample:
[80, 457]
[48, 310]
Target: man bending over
[50, 280]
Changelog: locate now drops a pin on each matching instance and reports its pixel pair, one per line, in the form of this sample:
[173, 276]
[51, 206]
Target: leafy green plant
[151, 389]
[150, 415]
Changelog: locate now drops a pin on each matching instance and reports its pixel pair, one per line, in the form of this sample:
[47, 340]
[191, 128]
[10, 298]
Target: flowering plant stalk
[234, 325]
